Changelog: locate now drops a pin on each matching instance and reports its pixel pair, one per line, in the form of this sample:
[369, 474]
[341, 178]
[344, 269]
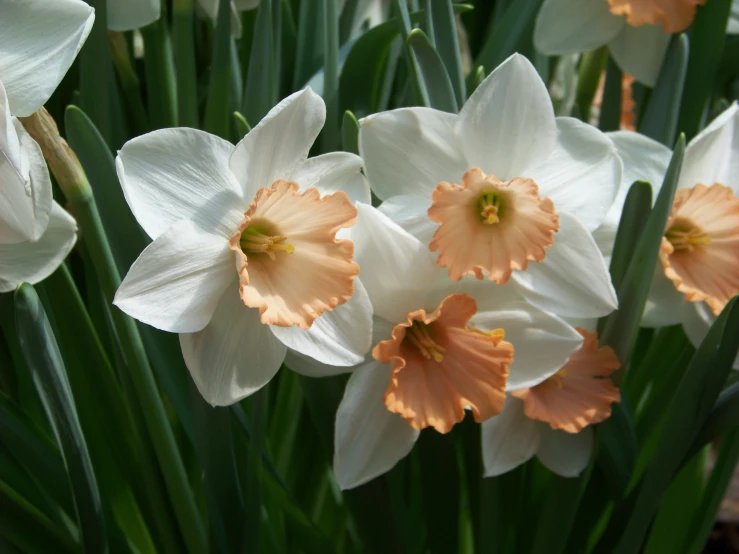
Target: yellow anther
[489, 208]
[255, 242]
[687, 239]
[418, 334]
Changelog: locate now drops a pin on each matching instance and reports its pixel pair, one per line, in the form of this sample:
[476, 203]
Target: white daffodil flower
[732, 26]
[506, 148]
[39, 40]
[245, 262]
[36, 234]
[439, 347]
[553, 419]
[126, 15]
[637, 32]
[699, 269]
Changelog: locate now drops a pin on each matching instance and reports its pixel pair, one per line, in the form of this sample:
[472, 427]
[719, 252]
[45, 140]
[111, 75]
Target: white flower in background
[699, 269]
[36, 234]
[126, 15]
[439, 347]
[245, 261]
[553, 419]
[732, 27]
[39, 40]
[533, 189]
[637, 32]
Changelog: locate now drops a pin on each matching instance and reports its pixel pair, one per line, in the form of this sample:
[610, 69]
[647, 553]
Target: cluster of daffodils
[475, 285]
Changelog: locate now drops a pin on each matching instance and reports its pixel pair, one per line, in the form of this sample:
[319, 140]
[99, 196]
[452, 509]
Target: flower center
[490, 208]
[686, 236]
[674, 15]
[255, 240]
[700, 249]
[579, 394]
[440, 366]
[490, 226]
[318, 274]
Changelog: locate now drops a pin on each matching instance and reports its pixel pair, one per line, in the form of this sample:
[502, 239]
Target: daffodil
[637, 32]
[439, 347]
[553, 419]
[503, 190]
[245, 261]
[698, 271]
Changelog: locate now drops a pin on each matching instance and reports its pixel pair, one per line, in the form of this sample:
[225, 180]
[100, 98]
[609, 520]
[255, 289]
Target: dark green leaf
[217, 108]
[446, 40]
[259, 93]
[617, 449]
[45, 362]
[96, 70]
[183, 45]
[330, 138]
[610, 110]
[161, 82]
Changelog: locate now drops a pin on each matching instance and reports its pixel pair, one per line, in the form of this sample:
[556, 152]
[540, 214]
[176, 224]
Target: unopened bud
[61, 158]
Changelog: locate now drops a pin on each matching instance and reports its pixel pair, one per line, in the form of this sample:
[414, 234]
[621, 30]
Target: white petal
[488, 296]
[732, 27]
[643, 159]
[176, 282]
[395, 268]
[573, 26]
[340, 337]
[572, 280]
[713, 155]
[235, 355]
[410, 151]
[509, 439]
[39, 40]
[369, 439]
[507, 126]
[411, 213]
[583, 173]
[38, 179]
[35, 261]
[310, 367]
[542, 342]
[337, 171]
[639, 51]
[279, 143]
[126, 15]
[174, 174]
[566, 454]
[664, 303]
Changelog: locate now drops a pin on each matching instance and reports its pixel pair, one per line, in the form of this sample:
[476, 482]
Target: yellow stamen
[418, 334]
[558, 378]
[254, 241]
[489, 208]
[496, 334]
[687, 239]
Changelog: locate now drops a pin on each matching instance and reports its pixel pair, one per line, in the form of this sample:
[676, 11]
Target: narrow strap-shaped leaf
[330, 137]
[217, 107]
[660, 119]
[698, 390]
[617, 449]
[161, 81]
[610, 110]
[183, 47]
[724, 418]
[432, 72]
[592, 65]
[350, 133]
[259, 93]
[713, 494]
[254, 471]
[621, 326]
[347, 17]
[406, 29]
[45, 362]
[446, 40]
[129, 80]
[706, 44]
[95, 72]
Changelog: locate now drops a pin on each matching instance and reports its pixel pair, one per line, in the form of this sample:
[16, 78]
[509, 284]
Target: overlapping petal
[39, 40]
[410, 211]
[174, 174]
[507, 126]
[234, 355]
[566, 454]
[572, 280]
[639, 51]
[340, 337]
[369, 439]
[334, 172]
[582, 174]
[279, 144]
[126, 15]
[509, 439]
[33, 262]
[399, 269]
[176, 282]
[410, 150]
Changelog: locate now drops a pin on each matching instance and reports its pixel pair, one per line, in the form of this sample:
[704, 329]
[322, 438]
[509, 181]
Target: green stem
[184, 58]
[160, 75]
[162, 438]
[331, 76]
